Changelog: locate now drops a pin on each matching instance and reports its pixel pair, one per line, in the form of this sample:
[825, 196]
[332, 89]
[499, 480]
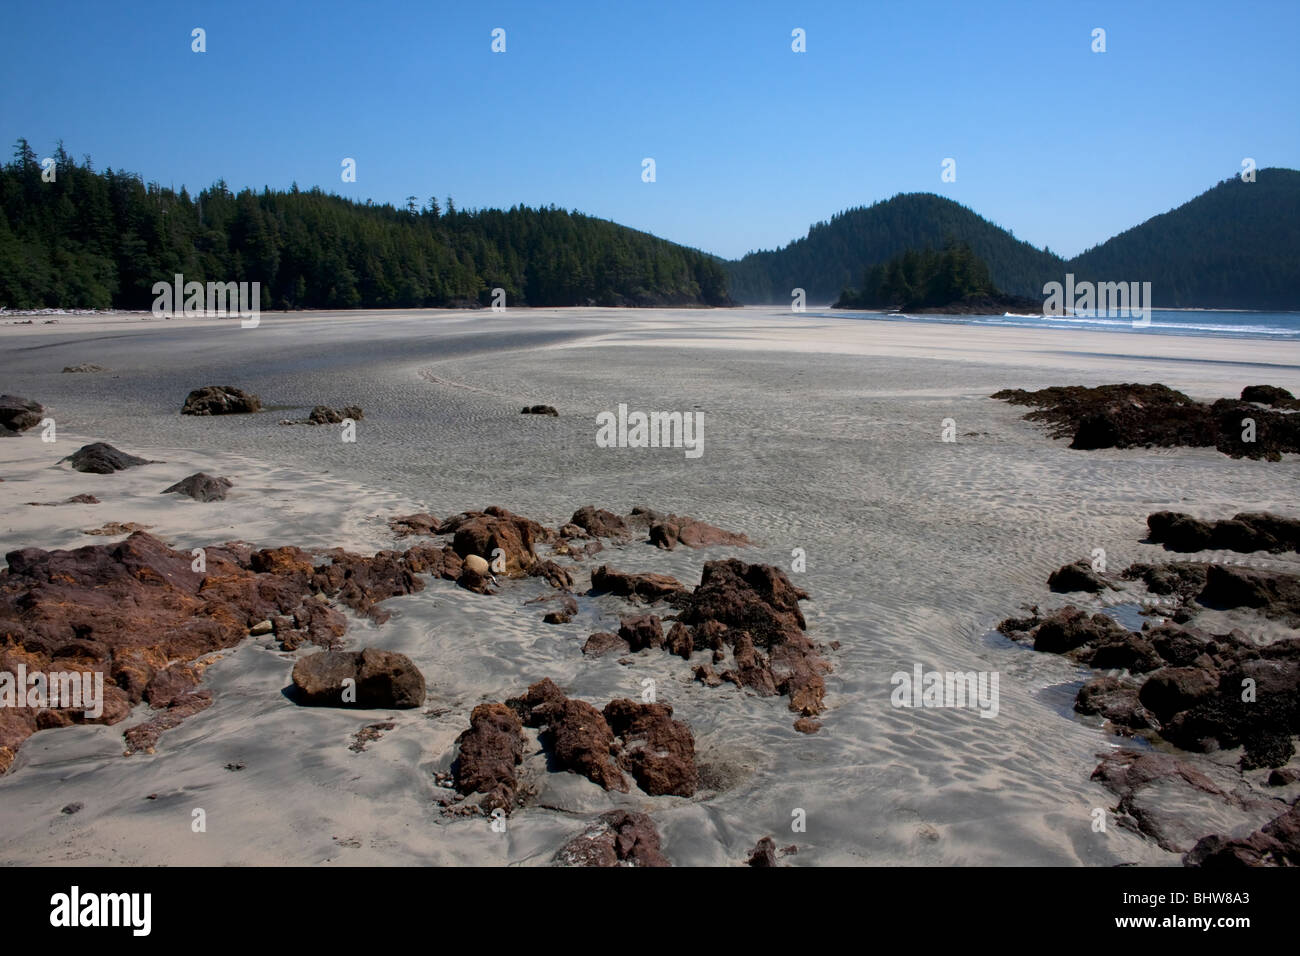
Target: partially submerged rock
[201, 487]
[1078, 576]
[87, 367]
[220, 400]
[540, 410]
[368, 678]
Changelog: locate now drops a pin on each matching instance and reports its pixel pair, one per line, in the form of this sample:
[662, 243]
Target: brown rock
[657, 750]
[220, 400]
[380, 679]
[615, 838]
[646, 587]
[641, 631]
[490, 753]
[602, 642]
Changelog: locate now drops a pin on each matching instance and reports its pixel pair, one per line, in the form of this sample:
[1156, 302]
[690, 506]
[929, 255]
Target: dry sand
[821, 433]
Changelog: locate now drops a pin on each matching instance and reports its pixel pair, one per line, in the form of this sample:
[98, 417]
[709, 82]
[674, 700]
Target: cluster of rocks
[1133, 415]
[220, 400]
[1197, 690]
[1245, 532]
[664, 531]
[138, 612]
[747, 613]
[639, 739]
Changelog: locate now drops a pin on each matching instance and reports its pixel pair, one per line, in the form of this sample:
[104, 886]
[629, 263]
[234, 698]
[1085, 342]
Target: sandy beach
[821, 433]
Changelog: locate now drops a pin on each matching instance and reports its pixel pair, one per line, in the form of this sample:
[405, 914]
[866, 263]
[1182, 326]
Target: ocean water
[1274, 326]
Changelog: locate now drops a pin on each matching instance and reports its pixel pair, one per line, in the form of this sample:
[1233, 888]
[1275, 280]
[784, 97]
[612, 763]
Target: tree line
[89, 239]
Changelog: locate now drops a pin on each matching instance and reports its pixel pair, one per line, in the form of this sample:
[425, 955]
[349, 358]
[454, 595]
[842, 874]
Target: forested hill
[1236, 246]
[834, 254]
[101, 240]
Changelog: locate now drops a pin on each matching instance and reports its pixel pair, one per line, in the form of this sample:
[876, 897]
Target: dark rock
[1283, 778]
[220, 400]
[19, 414]
[201, 487]
[1273, 593]
[1116, 700]
[764, 853]
[1134, 416]
[540, 410]
[490, 753]
[752, 607]
[1071, 628]
[1277, 843]
[381, 679]
[1268, 395]
[641, 631]
[1078, 576]
[99, 458]
[599, 523]
[616, 838]
[1173, 689]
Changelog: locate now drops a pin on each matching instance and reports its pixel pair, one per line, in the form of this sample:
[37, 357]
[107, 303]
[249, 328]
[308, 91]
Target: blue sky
[752, 142]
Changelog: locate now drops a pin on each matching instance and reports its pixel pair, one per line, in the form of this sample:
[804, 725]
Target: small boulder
[101, 458]
[220, 400]
[201, 487]
[380, 679]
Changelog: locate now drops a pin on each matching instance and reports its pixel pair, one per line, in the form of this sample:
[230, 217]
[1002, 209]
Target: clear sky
[752, 142]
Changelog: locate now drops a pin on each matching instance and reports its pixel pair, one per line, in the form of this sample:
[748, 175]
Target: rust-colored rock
[657, 750]
[615, 838]
[672, 530]
[646, 587]
[641, 631]
[600, 523]
[490, 754]
[603, 642]
[378, 679]
[483, 532]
